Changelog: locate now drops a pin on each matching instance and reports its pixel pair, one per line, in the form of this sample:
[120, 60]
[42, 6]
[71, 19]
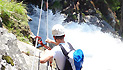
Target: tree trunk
[121, 21]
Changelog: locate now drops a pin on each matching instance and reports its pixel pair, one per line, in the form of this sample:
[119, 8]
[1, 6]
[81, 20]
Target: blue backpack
[76, 62]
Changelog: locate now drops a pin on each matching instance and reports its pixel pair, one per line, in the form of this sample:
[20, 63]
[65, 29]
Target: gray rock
[107, 27]
[10, 46]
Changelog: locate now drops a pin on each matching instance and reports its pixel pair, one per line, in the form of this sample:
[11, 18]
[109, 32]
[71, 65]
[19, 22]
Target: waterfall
[53, 19]
[102, 51]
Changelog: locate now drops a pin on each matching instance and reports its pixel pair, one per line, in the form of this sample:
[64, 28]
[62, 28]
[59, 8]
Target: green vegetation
[56, 6]
[12, 12]
[83, 15]
[114, 4]
[23, 39]
[74, 17]
[28, 53]
[14, 16]
[8, 59]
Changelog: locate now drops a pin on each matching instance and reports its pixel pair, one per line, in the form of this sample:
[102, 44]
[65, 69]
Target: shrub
[14, 16]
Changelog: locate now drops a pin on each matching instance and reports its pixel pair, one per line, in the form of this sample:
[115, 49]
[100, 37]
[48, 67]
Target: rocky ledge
[16, 55]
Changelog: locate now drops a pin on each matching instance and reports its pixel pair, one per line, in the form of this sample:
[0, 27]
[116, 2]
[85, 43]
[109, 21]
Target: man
[58, 35]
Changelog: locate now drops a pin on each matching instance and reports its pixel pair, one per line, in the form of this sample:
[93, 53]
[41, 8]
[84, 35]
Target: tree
[106, 10]
[121, 20]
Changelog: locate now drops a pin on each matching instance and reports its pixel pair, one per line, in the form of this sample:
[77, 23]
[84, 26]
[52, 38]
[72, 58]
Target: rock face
[8, 47]
[11, 56]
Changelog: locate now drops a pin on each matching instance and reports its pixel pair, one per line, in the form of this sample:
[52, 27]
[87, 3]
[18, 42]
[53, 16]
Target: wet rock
[105, 27]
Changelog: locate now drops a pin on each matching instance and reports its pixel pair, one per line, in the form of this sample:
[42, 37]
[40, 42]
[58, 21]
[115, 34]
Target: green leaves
[14, 16]
[114, 4]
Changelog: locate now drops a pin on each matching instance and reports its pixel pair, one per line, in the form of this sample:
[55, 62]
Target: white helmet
[58, 30]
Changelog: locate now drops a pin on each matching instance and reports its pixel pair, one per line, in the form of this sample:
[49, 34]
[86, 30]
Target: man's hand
[50, 41]
[46, 57]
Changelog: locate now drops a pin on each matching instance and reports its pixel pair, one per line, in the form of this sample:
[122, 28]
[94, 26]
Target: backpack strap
[57, 65]
[71, 47]
[64, 51]
[67, 63]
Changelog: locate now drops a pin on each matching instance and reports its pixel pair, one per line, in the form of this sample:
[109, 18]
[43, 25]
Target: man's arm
[47, 58]
[50, 41]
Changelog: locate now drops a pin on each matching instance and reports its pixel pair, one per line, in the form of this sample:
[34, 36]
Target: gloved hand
[41, 43]
[39, 40]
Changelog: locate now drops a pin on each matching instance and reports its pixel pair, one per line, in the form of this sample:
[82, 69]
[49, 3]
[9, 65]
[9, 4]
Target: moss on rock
[8, 59]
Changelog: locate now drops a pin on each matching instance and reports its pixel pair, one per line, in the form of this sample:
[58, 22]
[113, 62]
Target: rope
[47, 23]
[48, 63]
[37, 33]
[47, 35]
[39, 62]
